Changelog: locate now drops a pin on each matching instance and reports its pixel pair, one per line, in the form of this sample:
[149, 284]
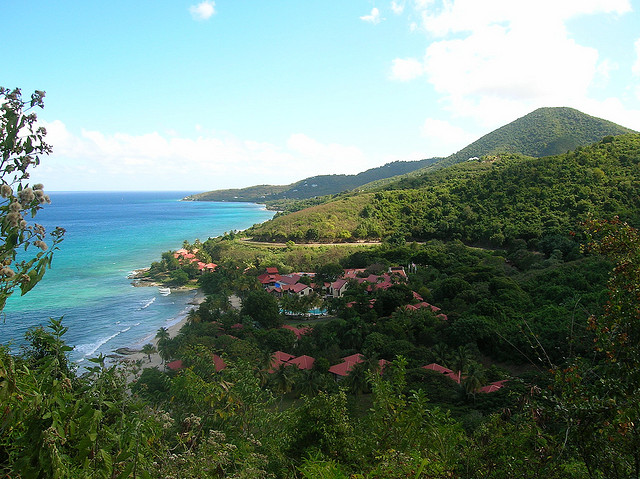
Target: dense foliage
[511, 314]
[544, 320]
[21, 147]
[492, 200]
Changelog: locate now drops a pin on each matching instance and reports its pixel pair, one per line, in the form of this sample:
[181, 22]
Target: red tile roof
[338, 284]
[352, 273]
[299, 332]
[278, 359]
[382, 363]
[303, 362]
[219, 363]
[282, 357]
[455, 376]
[175, 365]
[296, 288]
[493, 387]
[436, 367]
[343, 368]
[289, 278]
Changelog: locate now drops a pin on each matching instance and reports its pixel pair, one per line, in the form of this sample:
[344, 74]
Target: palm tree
[461, 359]
[310, 383]
[193, 317]
[474, 379]
[357, 381]
[282, 379]
[149, 349]
[441, 352]
[162, 334]
[163, 342]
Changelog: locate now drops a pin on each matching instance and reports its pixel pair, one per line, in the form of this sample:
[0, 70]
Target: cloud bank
[496, 60]
[157, 161]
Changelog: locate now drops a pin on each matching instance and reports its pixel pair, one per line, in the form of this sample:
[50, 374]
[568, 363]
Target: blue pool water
[110, 234]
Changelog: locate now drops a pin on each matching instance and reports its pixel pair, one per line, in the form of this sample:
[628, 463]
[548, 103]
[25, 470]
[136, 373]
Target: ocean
[109, 235]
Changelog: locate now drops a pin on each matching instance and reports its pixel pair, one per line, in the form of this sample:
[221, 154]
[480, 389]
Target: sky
[196, 95]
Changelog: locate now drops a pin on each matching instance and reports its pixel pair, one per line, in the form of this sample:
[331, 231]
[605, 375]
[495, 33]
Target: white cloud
[203, 10]
[94, 160]
[444, 138]
[495, 59]
[373, 17]
[397, 8]
[406, 69]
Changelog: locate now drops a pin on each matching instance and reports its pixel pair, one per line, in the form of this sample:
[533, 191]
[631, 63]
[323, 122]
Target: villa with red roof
[493, 387]
[299, 332]
[280, 359]
[184, 256]
[437, 368]
[303, 362]
[342, 369]
[218, 362]
[337, 288]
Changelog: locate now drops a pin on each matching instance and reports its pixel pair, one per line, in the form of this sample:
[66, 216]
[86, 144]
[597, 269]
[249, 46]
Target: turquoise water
[108, 236]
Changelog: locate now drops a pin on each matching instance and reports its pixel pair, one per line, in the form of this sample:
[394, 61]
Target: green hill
[543, 132]
[320, 185]
[494, 199]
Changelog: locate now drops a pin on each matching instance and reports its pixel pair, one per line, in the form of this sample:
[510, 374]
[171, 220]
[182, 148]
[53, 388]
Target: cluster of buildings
[280, 284]
[189, 257]
[342, 369]
[274, 282]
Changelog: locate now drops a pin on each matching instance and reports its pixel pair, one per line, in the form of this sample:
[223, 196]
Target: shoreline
[133, 355]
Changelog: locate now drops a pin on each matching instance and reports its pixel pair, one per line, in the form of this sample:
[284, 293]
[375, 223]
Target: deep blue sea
[110, 234]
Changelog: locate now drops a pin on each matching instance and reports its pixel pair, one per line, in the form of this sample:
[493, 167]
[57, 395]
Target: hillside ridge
[319, 185]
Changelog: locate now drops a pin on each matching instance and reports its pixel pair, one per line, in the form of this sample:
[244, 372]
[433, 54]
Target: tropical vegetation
[497, 292]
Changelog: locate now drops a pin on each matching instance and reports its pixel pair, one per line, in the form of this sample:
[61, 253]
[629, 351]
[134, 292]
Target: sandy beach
[131, 355]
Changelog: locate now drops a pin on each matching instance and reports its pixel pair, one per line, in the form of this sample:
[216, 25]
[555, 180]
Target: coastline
[133, 355]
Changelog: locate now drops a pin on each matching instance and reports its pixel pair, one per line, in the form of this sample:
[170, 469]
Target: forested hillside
[490, 200]
[543, 132]
[314, 186]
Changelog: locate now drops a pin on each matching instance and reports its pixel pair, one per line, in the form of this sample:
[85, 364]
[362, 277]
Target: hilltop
[543, 132]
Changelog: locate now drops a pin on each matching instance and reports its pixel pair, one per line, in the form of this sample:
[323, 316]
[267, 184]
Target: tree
[598, 400]
[328, 272]
[21, 146]
[263, 308]
[283, 379]
[163, 342]
[149, 349]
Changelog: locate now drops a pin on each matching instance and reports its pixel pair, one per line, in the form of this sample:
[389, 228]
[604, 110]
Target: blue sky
[190, 95]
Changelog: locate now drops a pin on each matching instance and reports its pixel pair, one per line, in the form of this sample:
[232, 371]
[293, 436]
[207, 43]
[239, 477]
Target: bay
[108, 235]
